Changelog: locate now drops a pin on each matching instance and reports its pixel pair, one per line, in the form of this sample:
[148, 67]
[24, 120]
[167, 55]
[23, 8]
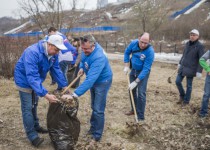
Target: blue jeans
[64, 67]
[29, 114]
[75, 75]
[206, 96]
[139, 93]
[52, 79]
[98, 103]
[185, 96]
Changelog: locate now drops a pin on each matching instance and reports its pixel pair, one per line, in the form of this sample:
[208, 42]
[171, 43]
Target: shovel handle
[71, 83]
[174, 72]
[132, 101]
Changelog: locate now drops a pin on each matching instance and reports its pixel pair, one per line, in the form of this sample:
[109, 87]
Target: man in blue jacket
[66, 57]
[30, 72]
[142, 58]
[95, 65]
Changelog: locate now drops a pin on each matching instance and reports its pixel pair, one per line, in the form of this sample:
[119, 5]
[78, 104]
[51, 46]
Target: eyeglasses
[85, 49]
[83, 39]
[143, 42]
[193, 35]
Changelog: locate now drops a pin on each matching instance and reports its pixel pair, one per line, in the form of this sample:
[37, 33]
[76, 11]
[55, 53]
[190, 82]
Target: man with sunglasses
[95, 65]
[30, 72]
[189, 66]
[142, 58]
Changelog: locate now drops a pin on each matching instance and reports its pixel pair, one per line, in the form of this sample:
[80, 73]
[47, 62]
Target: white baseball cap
[195, 31]
[57, 40]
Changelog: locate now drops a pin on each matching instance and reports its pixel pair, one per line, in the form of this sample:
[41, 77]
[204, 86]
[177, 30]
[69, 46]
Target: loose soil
[168, 126]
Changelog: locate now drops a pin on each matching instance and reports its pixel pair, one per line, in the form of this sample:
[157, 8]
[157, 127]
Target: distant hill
[8, 23]
[120, 14]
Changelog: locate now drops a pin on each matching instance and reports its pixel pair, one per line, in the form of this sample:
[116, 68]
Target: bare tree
[44, 12]
[150, 14]
[75, 3]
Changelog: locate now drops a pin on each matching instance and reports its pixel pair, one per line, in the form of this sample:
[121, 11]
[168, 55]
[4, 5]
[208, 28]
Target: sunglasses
[83, 39]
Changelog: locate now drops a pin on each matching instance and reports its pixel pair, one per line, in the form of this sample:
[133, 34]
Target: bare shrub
[11, 49]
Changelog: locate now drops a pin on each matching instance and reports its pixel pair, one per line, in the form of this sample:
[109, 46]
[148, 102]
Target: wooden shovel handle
[132, 101]
[71, 83]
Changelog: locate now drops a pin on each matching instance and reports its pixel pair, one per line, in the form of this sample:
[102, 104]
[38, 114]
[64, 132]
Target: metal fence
[113, 47]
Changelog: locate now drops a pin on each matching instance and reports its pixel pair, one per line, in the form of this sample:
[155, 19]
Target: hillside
[120, 14]
[7, 23]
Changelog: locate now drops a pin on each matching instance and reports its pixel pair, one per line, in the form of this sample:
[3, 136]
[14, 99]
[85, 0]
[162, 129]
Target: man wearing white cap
[142, 58]
[189, 66]
[30, 72]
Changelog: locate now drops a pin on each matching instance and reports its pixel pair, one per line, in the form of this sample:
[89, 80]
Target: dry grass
[168, 126]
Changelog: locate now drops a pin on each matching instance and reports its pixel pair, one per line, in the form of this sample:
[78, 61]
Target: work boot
[181, 100]
[129, 113]
[37, 141]
[42, 130]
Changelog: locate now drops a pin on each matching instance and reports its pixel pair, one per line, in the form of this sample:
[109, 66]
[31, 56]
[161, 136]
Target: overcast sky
[10, 7]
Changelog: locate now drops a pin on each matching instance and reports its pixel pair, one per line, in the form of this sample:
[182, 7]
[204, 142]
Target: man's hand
[198, 75]
[126, 69]
[51, 98]
[66, 91]
[67, 97]
[178, 66]
[132, 85]
[80, 72]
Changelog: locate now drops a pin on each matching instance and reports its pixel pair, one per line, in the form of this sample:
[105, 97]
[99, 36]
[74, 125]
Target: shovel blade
[169, 80]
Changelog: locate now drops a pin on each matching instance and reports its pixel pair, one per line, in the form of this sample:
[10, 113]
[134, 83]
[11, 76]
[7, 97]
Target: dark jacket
[190, 59]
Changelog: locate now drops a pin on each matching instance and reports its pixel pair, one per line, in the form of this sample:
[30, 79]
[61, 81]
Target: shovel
[169, 78]
[132, 101]
[71, 83]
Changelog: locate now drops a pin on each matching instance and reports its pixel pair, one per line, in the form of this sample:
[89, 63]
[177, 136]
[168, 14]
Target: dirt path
[168, 126]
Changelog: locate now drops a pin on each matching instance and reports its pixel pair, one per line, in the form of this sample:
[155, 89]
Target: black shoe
[179, 102]
[42, 130]
[37, 141]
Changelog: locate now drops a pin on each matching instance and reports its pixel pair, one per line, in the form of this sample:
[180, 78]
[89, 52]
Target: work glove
[132, 85]
[198, 75]
[74, 95]
[178, 66]
[126, 69]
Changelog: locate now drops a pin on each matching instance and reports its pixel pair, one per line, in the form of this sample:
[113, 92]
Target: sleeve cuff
[137, 80]
[75, 95]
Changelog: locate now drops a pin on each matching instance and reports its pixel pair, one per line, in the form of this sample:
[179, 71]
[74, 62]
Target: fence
[12, 48]
[112, 47]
